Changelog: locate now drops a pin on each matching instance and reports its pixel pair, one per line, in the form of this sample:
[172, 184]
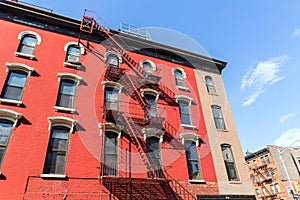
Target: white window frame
[17, 67]
[20, 37]
[82, 52]
[153, 132]
[67, 76]
[106, 55]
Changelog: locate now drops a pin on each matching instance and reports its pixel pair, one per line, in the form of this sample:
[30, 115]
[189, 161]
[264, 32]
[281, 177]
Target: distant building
[91, 113]
[268, 175]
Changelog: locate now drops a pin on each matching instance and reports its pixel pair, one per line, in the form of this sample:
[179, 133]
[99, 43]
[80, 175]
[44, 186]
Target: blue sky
[260, 40]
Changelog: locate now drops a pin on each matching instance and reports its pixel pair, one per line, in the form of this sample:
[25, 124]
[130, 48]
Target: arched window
[66, 94]
[180, 76]
[229, 162]
[73, 52]
[112, 59]
[210, 85]
[15, 82]
[148, 66]
[150, 98]
[184, 103]
[55, 162]
[28, 42]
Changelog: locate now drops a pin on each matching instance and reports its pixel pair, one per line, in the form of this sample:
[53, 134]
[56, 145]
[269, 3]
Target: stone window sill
[73, 65]
[24, 55]
[18, 103]
[54, 176]
[188, 126]
[235, 182]
[182, 88]
[196, 181]
[58, 108]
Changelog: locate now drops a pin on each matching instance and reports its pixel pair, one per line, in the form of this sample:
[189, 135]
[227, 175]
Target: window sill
[58, 108]
[222, 130]
[11, 101]
[182, 88]
[188, 126]
[73, 65]
[213, 94]
[54, 176]
[235, 182]
[24, 55]
[196, 181]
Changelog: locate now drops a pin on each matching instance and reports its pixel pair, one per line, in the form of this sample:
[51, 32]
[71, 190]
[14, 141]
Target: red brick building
[90, 113]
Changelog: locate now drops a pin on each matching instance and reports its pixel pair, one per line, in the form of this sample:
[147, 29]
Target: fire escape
[264, 181]
[157, 183]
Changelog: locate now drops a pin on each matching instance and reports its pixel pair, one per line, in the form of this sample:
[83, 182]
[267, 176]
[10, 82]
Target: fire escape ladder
[141, 149]
[180, 190]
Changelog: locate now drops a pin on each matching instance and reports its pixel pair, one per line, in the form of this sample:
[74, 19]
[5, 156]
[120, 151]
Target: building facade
[90, 113]
[268, 175]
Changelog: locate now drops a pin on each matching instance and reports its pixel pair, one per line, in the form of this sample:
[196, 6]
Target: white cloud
[286, 117]
[296, 33]
[266, 73]
[288, 137]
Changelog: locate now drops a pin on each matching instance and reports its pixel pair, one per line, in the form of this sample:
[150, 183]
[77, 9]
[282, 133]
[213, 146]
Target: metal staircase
[157, 185]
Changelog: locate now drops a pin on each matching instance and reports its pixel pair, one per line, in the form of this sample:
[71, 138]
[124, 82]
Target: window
[218, 117]
[267, 173]
[257, 193]
[112, 59]
[14, 85]
[259, 177]
[267, 159]
[192, 159]
[110, 153]
[148, 66]
[66, 94]
[277, 188]
[184, 109]
[27, 44]
[179, 79]
[153, 153]
[210, 85]
[272, 173]
[253, 178]
[150, 101]
[264, 191]
[111, 98]
[60, 129]
[273, 189]
[229, 162]
[57, 150]
[254, 163]
[73, 54]
[262, 159]
[5, 131]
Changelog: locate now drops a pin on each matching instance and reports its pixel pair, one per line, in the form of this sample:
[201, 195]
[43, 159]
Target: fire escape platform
[138, 188]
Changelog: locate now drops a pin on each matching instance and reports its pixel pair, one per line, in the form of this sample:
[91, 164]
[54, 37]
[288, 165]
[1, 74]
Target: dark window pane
[17, 78]
[179, 78]
[27, 45]
[67, 87]
[66, 94]
[73, 54]
[5, 130]
[13, 93]
[110, 154]
[65, 101]
[218, 117]
[148, 67]
[112, 60]
[57, 149]
[209, 85]
[229, 162]
[150, 101]
[184, 112]
[192, 159]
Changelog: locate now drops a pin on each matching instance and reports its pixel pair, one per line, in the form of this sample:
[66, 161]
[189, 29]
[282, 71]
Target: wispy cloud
[286, 117]
[265, 73]
[296, 33]
[288, 137]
